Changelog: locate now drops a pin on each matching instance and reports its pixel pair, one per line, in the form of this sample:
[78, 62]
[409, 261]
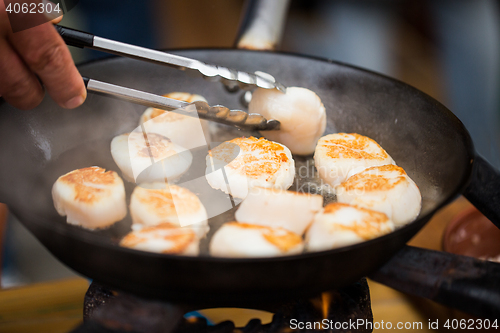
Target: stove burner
[108, 311]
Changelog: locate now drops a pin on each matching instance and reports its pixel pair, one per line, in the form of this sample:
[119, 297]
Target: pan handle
[484, 189]
[464, 283]
[262, 24]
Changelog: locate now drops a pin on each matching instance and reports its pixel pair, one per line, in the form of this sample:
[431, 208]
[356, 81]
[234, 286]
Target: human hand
[33, 54]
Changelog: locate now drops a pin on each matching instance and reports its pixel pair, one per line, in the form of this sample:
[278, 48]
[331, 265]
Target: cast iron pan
[422, 136]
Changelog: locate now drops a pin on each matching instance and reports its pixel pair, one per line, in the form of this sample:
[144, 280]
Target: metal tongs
[229, 77]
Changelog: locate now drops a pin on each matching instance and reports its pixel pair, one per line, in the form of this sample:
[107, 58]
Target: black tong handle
[74, 37]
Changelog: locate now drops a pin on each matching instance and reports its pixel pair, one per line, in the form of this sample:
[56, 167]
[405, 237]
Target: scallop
[185, 131]
[290, 210]
[300, 112]
[90, 197]
[340, 224]
[156, 203]
[387, 189]
[235, 239]
[149, 158]
[341, 155]
[163, 238]
[237, 165]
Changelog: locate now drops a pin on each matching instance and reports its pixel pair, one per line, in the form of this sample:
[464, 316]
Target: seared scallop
[153, 204]
[90, 197]
[248, 240]
[341, 155]
[300, 112]
[237, 165]
[149, 158]
[387, 189]
[340, 224]
[293, 211]
[163, 238]
[185, 131]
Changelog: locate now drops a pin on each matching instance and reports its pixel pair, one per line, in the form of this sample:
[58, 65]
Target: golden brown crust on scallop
[86, 183]
[181, 238]
[368, 182]
[283, 239]
[372, 222]
[346, 147]
[257, 157]
[333, 207]
[161, 201]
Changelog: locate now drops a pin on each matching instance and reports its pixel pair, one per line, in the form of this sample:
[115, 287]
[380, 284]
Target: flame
[326, 299]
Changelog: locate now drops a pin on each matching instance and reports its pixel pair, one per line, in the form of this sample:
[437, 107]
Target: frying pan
[421, 135]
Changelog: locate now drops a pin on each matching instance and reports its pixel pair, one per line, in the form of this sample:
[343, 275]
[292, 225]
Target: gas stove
[346, 309]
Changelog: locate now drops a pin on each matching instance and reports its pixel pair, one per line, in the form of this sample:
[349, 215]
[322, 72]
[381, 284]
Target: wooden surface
[45, 307]
[57, 306]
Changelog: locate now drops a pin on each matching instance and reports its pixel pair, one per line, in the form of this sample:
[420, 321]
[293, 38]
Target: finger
[45, 53]
[18, 85]
[57, 20]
